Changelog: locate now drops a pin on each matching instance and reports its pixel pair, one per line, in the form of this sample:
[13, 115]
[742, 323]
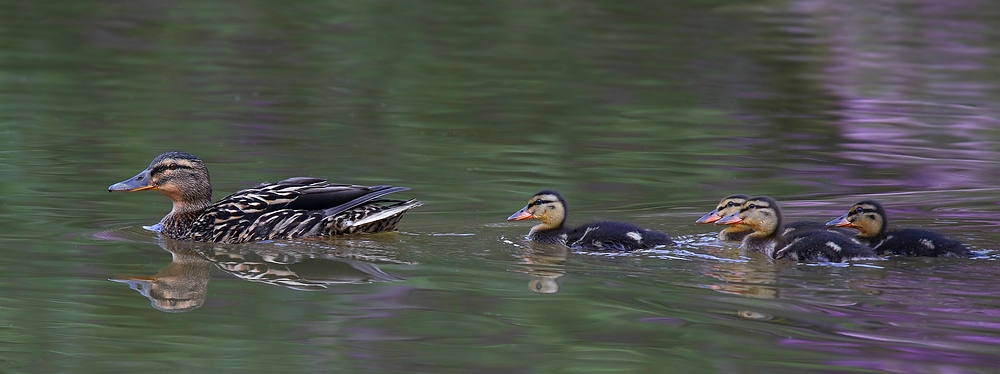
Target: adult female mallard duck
[550, 208]
[763, 215]
[293, 208]
[737, 231]
[869, 218]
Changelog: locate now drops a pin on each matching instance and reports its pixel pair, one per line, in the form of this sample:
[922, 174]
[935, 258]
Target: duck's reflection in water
[178, 287]
[545, 263]
[182, 285]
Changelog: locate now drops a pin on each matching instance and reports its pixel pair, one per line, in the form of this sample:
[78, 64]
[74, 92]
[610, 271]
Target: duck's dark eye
[172, 166]
[731, 203]
[751, 206]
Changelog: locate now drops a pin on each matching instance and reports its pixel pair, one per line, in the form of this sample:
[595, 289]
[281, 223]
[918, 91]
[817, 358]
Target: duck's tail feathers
[363, 199]
[389, 212]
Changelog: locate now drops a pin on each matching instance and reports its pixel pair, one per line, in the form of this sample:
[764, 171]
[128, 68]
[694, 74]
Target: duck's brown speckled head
[180, 176]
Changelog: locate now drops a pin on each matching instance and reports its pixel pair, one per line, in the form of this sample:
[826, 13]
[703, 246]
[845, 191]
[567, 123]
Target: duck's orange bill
[730, 219]
[839, 222]
[143, 188]
[521, 214]
[709, 217]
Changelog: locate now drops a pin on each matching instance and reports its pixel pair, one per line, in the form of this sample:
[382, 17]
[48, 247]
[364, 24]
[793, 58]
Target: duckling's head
[760, 213]
[868, 217]
[546, 206]
[728, 205]
[180, 176]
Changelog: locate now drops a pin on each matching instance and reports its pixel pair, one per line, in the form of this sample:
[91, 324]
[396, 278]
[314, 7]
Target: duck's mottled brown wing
[292, 208]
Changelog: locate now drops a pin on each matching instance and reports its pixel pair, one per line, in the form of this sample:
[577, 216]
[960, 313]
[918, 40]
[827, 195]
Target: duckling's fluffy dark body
[808, 246]
[793, 228]
[916, 242]
[870, 219]
[821, 246]
[550, 208]
[614, 236]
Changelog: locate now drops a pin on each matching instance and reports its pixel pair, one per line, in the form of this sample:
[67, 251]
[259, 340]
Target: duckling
[298, 207]
[763, 215]
[736, 232]
[869, 218]
[728, 205]
[549, 207]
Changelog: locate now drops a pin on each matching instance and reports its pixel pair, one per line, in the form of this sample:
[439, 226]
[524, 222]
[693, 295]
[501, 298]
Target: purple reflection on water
[899, 366]
[979, 339]
[843, 348]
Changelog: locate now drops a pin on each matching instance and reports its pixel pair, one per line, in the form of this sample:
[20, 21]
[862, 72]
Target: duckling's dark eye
[172, 166]
[731, 204]
[751, 206]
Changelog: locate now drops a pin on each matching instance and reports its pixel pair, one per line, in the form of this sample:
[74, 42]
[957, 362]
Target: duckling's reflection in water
[545, 263]
[754, 279]
[182, 285]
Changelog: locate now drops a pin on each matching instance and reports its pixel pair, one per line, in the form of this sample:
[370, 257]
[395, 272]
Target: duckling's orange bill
[139, 182]
[839, 222]
[709, 217]
[730, 219]
[521, 214]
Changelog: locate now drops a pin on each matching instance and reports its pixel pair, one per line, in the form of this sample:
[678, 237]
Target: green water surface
[640, 111]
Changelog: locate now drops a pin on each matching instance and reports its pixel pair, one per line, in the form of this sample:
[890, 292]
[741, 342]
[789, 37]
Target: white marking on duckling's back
[927, 243]
[833, 246]
[634, 236]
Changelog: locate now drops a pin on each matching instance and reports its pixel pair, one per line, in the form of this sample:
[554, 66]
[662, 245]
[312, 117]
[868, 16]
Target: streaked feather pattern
[296, 208]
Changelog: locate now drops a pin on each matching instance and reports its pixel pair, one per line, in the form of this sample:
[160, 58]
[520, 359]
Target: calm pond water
[646, 112]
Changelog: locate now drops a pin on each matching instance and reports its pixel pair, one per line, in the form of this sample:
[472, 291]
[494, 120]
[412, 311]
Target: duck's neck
[756, 242]
[177, 224]
[763, 241]
[548, 233]
[735, 233]
[872, 241]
